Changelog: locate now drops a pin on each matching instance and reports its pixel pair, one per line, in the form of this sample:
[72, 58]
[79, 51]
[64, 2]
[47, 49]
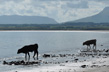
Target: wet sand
[103, 69]
[71, 63]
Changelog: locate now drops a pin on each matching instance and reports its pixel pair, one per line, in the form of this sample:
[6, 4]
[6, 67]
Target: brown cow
[89, 42]
[29, 48]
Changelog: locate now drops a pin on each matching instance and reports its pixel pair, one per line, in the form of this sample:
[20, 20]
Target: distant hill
[17, 19]
[102, 17]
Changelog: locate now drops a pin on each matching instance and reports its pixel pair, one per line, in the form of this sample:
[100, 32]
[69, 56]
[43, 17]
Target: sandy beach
[70, 63]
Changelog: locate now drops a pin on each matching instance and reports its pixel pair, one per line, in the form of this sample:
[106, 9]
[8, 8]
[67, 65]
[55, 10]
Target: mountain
[17, 19]
[102, 17]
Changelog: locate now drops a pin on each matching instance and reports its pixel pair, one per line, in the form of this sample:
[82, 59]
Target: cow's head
[84, 43]
[19, 51]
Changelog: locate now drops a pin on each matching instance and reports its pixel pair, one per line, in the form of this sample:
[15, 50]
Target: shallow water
[53, 42]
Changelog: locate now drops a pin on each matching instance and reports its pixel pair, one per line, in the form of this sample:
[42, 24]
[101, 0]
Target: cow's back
[93, 41]
[30, 48]
[90, 42]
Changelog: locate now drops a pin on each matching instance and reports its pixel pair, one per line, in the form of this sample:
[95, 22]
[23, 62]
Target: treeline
[61, 26]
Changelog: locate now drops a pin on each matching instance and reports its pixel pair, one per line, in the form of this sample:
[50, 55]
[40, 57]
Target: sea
[49, 42]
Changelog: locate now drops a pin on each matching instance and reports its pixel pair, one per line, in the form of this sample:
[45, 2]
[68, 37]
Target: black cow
[89, 42]
[29, 48]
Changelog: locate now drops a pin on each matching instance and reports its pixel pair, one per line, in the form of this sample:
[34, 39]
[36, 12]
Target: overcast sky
[60, 10]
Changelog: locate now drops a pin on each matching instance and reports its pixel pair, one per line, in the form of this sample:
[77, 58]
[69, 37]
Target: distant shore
[62, 26]
[56, 30]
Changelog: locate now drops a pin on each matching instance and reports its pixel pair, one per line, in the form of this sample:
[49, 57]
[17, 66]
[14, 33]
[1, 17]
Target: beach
[70, 63]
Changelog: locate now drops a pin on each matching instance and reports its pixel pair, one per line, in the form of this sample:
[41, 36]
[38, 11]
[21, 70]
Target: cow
[90, 42]
[29, 48]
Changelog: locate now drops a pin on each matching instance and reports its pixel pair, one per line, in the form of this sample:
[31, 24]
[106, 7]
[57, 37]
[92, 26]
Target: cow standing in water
[90, 42]
[29, 48]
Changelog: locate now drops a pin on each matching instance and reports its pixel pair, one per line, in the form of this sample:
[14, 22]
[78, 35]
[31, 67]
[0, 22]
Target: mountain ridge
[18, 19]
[101, 17]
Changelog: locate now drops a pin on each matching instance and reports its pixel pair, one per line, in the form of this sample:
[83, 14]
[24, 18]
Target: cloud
[106, 2]
[80, 4]
[60, 10]
[17, 1]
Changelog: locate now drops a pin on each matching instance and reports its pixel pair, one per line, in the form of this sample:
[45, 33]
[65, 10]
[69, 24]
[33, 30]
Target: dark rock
[76, 60]
[46, 55]
[4, 62]
[54, 56]
[94, 66]
[104, 65]
[20, 63]
[107, 51]
[83, 66]
[46, 62]
[84, 60]
[73, 55]
[66, 61]
[62, 55]
[93, 56]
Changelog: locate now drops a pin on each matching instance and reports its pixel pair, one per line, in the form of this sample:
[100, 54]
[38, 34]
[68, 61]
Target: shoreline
[92, 64]
[54, 30]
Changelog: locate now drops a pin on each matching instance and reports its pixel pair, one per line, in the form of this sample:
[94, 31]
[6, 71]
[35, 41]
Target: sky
[60, 10]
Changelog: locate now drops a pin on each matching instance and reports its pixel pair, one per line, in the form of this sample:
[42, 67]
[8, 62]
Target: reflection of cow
[29, 48]
[89, 42]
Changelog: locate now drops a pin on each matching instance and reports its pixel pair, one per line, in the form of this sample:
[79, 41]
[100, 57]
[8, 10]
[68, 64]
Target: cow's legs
[87, 48]
[28, 56]
[25, 56]
[95, 47]
[35, 54]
